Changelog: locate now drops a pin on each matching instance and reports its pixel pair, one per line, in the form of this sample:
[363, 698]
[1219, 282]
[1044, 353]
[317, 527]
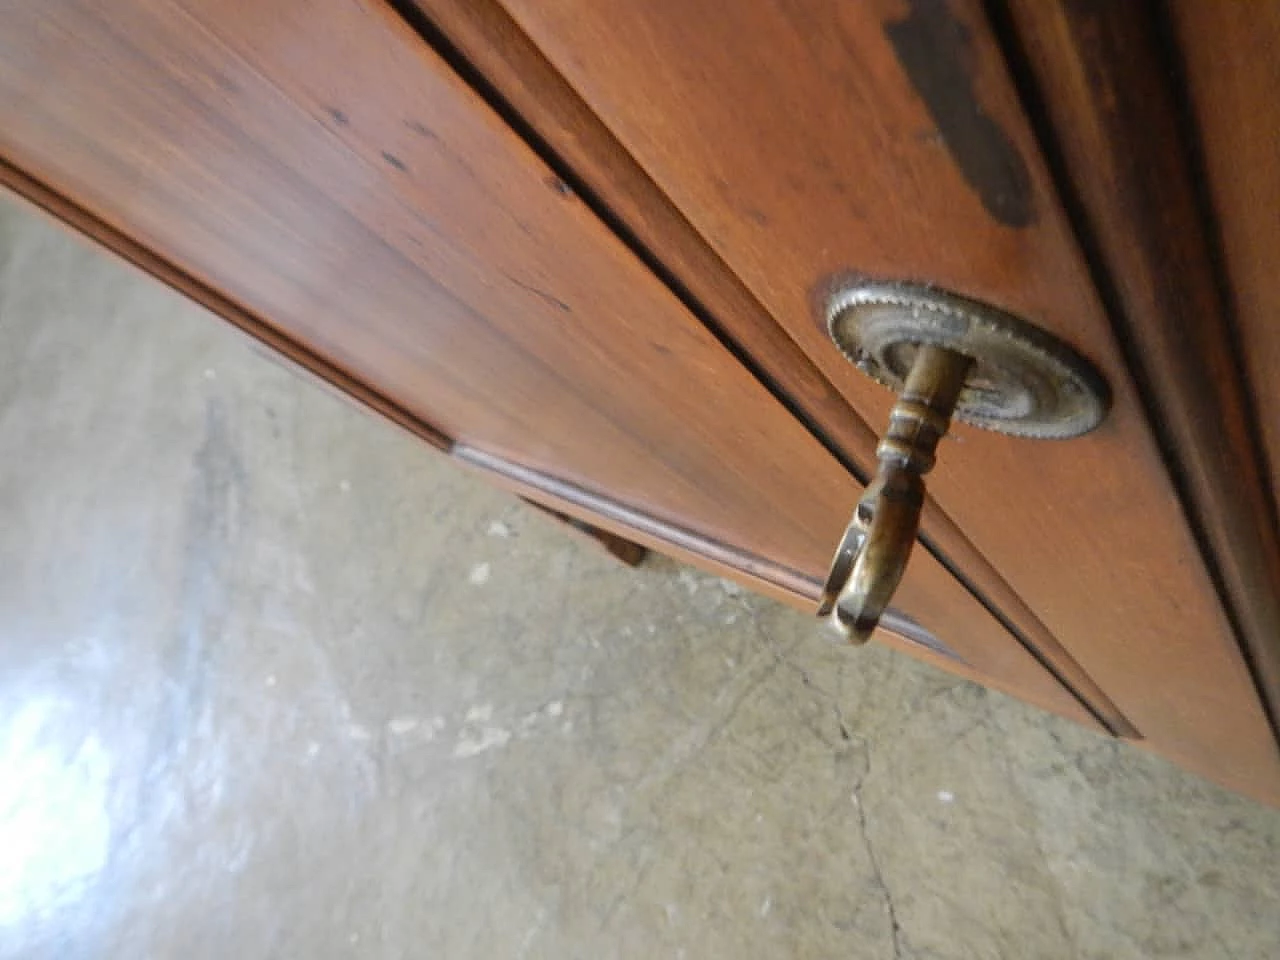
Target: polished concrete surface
[278, 681]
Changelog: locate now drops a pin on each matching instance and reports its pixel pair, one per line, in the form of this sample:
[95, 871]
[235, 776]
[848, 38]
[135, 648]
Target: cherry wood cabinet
[578, 246]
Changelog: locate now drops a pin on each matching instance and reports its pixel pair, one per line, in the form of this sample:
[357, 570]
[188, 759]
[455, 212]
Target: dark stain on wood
[421, 129]
[395, 161]
[338, 117]
[933, 49]
[559, 186]
[226, 84]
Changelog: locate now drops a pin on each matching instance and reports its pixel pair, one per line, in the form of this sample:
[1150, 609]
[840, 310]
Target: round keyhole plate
[1024, 381]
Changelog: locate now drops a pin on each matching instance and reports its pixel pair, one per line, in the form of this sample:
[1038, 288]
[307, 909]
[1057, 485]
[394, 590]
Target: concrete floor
[278, 681]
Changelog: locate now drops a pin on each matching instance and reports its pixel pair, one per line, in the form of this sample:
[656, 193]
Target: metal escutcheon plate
[1024, 382]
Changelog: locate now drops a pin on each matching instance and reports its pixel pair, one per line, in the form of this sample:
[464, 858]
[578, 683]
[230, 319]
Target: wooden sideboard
[578, 245]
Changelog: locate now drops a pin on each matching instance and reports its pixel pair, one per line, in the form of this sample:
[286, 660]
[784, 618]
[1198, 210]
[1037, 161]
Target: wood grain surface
[323, 171]
[506, 63]
[1230, 55]
[809, 139]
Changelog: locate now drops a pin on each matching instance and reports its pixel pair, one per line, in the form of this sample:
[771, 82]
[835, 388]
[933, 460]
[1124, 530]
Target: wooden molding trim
[1097, 73]
[279, 348]
[765, 576]
[754, 573]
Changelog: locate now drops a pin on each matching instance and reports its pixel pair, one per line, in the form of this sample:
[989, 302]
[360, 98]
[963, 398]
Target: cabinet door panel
[809, 138]
[1231, 55]
[320, 167]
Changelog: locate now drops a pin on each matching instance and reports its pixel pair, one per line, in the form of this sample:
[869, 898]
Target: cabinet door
[327, 176]
[809, 138]
[1231, 59]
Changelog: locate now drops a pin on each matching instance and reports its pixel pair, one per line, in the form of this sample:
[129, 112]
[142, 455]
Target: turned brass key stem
[878, 540]
[945, 355]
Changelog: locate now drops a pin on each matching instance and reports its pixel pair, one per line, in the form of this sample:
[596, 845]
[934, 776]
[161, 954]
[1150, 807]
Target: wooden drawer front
[808, 138]
[320, 166]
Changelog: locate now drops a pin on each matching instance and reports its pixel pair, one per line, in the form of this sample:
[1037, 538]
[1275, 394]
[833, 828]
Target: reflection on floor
[275, 680]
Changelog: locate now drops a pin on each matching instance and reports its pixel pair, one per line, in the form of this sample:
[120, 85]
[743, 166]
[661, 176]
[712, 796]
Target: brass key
[944, 355]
